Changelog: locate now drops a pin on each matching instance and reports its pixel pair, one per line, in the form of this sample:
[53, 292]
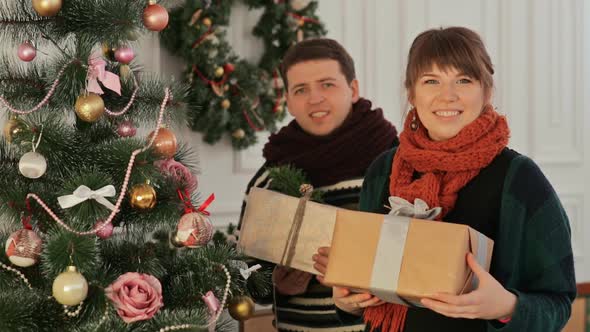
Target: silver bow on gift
[83, 193]
[419, 210]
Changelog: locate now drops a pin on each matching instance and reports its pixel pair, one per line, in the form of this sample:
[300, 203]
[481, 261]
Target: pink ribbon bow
[97, 72]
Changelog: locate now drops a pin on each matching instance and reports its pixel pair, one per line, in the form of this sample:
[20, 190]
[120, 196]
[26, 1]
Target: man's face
[319, 98]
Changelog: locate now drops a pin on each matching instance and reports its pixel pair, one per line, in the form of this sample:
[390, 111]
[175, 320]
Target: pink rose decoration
[181, 175]
[136, 296]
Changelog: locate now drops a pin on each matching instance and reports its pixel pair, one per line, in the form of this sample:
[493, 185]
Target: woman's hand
[353, 303]
[321, 262]
[489, 301]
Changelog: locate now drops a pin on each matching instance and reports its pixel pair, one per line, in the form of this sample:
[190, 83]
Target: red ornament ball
[194, 230]
[23, 248]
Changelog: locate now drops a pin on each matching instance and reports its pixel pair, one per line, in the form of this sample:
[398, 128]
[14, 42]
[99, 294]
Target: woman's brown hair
[453, 47]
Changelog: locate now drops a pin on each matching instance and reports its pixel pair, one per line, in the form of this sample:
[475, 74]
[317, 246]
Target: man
[334, 137]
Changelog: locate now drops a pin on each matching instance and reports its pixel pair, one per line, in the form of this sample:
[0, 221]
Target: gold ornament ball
[219, 71]
[241, 308]
[12, 128]
[239, 133]
[225, 104]
[207, 22]
[125, 72]
[70, 287]
[89, 108]
[280, 109]
[47, 7]
[107, 51]
[142, 197]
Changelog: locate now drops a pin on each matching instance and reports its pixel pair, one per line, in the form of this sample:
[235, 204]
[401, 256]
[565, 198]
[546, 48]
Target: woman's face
[447, 101]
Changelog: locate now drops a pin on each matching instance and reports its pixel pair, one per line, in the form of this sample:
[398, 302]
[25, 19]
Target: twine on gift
[289, 252]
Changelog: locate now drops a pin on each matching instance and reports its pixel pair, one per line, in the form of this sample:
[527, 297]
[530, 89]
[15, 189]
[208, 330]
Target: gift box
[402, 259]
[271, 232]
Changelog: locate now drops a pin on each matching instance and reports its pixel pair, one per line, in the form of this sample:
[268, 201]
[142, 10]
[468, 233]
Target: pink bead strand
[124, 110]
[44, 101]
[217, 315]
[123, 191]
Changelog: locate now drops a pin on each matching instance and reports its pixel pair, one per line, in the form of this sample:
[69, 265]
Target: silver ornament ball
[32, 165]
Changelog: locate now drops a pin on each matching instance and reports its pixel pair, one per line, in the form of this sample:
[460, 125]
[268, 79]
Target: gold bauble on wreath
[239, 133]
[225, 104]
[142, 197]
[241, 308]
[219, 71]
[47, 7]
[12, 128]
[207, 22]
[90, 107]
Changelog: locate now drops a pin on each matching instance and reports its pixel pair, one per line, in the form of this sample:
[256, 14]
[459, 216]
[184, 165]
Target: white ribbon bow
[246, 273]
[401, 207]
[83, 193]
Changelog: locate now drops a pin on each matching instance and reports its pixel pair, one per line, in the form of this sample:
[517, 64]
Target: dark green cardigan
[532, 252]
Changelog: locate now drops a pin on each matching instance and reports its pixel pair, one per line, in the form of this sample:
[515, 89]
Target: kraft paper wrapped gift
[268, 231]
[401, 259]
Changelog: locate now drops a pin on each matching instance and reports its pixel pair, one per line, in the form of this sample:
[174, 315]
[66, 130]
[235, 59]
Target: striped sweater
[313, 310]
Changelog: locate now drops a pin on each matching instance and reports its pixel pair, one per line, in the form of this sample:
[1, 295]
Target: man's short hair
[318, 49]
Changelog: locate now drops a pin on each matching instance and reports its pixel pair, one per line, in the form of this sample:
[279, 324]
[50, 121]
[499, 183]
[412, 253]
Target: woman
[453, 155]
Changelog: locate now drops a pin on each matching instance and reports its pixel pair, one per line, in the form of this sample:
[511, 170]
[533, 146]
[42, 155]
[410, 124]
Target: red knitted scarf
[444, 168]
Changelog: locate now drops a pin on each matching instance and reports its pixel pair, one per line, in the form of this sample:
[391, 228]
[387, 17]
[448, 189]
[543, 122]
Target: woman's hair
[454, 47]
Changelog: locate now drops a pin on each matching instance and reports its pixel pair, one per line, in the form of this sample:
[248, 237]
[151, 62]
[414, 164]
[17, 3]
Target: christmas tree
[104, 227]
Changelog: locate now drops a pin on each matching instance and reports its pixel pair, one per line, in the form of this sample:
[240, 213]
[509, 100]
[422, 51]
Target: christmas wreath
[228, 94]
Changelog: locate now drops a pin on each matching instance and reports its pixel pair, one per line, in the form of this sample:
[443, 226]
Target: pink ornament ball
[126, 129]
[27, 52]
[124, 54]
[105, 232]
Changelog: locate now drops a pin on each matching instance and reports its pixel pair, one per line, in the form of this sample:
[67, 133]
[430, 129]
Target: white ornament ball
[23, 248]
[70, 287]
[32, 165]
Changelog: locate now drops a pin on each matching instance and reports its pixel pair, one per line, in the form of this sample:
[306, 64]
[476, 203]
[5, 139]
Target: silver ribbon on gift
[83, 193]
[419, 210]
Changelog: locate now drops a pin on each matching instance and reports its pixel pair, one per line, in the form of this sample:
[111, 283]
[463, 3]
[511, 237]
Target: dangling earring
[414, 123]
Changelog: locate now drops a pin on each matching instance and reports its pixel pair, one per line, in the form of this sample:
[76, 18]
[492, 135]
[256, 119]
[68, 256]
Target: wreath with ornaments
[229, 95]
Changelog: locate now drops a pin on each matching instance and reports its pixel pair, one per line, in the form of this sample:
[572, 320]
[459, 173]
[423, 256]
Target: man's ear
[354, 85]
